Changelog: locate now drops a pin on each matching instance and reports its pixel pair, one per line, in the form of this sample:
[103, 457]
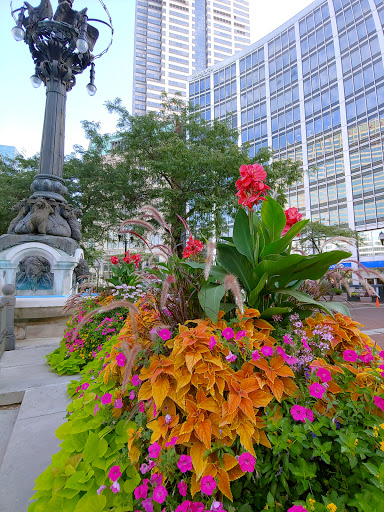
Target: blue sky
[22, 106]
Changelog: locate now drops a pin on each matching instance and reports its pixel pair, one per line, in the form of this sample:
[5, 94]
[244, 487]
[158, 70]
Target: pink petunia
[381, 354]
[144, 468]
[101, 489]
[349, 355]
[165, 334]
[156, 479]
[231, 357]
[85, 386]
[141, 407]
[154, 450]
[141, 491]
[183, 488]
[96, 408]
[316, 390]
[147, 505]
[308, 415]
[287, 339]
[120, 359]
[114, 473]
[298, 413]
[159, 494]
[115, 487]
[106, 399]
[379, 402]
[135, 380]
[212, 342]
[185, 463]
[131, 395]
[208, 485]
[266, 351]
[172, 442]
[305, 344]
[366, 357]
[228, 333]
[241, 334]
[255, 355]
[324, 374]
[247, 462]
[297, 508]
[118, 403]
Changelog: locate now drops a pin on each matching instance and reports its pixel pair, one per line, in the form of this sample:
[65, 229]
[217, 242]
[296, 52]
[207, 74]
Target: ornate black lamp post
[61, 46]
[381, 237]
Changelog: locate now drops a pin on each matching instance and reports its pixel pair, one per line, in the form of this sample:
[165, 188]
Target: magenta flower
[208, 485]
[141, 491]
[135, 380]
[141, 407]
[381, 354]
[120, 359]
[266, 351]
[164, 334]
[290, 360]
[324, 375]
[85, 386]
[101, 489]
[231, 357]
[106, 399]
[115, 487]
[156, 479]
[154, 410]
[349, 355]
[247, 462]
[366, 357]
[185, 463]
[183, 488]
[298, 413]
[308, 415]
[131, 395]
[172, 442]
[159, 494]
[228, 333]
[305, 343]
[147, 505]
[96, 408]
[212, 342]
[297, 508]
[255, 355]
[287, 339]
[316, 390]
[379, 402]
[118, 403]
[144, 468]
[241, 334]
[114, 473]
[154, 450]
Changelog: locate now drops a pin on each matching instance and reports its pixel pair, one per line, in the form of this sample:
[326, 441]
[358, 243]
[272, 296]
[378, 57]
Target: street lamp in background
[381, 237]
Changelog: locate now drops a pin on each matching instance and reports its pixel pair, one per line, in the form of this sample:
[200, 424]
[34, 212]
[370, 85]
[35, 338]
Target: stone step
[31, 444]
[8, 419]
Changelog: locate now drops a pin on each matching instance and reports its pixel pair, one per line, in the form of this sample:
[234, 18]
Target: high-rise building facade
[176, 38]
[313, 90]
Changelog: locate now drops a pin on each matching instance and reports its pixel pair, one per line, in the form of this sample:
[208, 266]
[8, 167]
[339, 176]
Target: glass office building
[313, 90]
[176, 38]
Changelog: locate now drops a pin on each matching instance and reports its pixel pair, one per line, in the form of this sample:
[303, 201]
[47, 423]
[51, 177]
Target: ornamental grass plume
[231, 283]
[155, 214]
[164, 292]
[211, 246]
[138, 222]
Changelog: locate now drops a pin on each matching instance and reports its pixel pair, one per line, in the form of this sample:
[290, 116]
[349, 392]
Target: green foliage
[315, 233]
[262, 261]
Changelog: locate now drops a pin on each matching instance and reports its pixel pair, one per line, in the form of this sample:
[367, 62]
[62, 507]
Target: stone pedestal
[39, 265]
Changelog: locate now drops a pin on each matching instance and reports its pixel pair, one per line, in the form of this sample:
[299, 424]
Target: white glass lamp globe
[18, 33]
[91, 88]
[36, 81]
[82, 45]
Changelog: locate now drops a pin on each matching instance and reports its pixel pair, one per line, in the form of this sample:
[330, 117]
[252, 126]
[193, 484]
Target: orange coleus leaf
[235, 473]
[263, 324]
[197, 451]
[183, 380]
[350, 368]
[246, 407]
[264, 439]
[263, 365]
[195, 484]
[203, 431]
[160, 390]
[245, 431]
[280, 368]
[191, 358]
[223, 483]
[145, 392]
[260, 398]
[229, 461]
[277, 388]
[290, 387]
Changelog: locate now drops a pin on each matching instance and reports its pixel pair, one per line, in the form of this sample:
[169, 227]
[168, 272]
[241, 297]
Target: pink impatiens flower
[183, 488]
[184, 463]
[212, 342]
[247, 462]
[154, 450]
[118, 403]
[324, 374]
[159, 494]
[164, 334]
[349, 355]
[114, 473]
[135, 380]
[106, 399]
[316, 390]
[120, 359]
[379, 402]
[208, 485]
[266, 351]
[231, 357]
[228, 333]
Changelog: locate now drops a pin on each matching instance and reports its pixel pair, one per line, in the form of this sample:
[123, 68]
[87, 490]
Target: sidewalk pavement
[27, 433]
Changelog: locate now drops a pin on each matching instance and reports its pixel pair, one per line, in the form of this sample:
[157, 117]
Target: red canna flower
[114, 260]
[192, 248]
[292, 215]
[250, 186]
